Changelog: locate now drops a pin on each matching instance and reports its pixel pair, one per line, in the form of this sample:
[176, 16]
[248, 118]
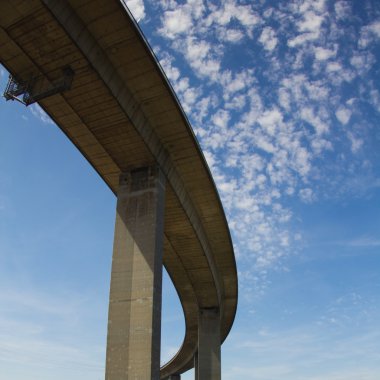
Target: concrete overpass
[89, 67]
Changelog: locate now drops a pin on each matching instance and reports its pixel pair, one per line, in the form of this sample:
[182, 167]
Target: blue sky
[284, 98]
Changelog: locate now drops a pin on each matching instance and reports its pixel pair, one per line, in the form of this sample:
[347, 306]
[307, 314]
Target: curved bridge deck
[121, 113]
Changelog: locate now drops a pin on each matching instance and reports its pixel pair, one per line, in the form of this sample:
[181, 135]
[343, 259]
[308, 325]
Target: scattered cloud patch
[322, 54]
[137, 8]
[176, 22]
[231, 35]
[300, 352]
[307, 195]
[268, 38]
[369, 34]
[40, 114]
[356, 142]
[342, 9]
[343, 115]
[364, 242]
[308, 114]
[272, 125]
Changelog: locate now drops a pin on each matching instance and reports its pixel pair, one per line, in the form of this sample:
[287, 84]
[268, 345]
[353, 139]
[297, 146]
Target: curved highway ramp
[89, 67]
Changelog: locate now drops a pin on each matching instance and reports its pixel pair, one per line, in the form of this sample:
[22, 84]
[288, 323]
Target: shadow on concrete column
[196, 377]
[134, 319]
[207, 360]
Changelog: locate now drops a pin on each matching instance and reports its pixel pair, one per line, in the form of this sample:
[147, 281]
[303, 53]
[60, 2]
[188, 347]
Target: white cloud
[182, 84]
[301, 39]
[264, 143]
[137, 8]
[369, 34]
[320, 144]
[310, 16]
[203, 108]
[309, 115]
[236, 103]
[199, 55]
[230, 35]
[247, 17]
[210, 158]
[284, 98]
[375, 28]
[188, 97]
[338, 74]
[343, 114]
[35, 324]
[317, 90]
[230, 10]
[311, 23]
[342, 10]
[269, 141]
[268, 38]
[40, 114]
[375, 99]
[221, 119]
[356, 143]
[171, 72]
[207, 68]
[363, 242]
[34, 302]
[307, 352]
[302, 162]
[197, 49]
[270, 120]
[334, 67]
[362, 61]
[322, 54]
[176, 22]
[68, 358]
[237, 82]
[306, 195]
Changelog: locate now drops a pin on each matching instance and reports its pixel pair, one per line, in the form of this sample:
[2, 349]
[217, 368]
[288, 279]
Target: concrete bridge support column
[134, 319]
[208, 365]
[196, 377]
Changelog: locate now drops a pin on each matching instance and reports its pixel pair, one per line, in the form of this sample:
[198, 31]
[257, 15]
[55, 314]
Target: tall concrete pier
[134, 320]
[208, 356]
[89, 67]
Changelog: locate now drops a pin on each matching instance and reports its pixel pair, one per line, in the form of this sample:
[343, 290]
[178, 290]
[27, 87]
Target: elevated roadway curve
[122, 113]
